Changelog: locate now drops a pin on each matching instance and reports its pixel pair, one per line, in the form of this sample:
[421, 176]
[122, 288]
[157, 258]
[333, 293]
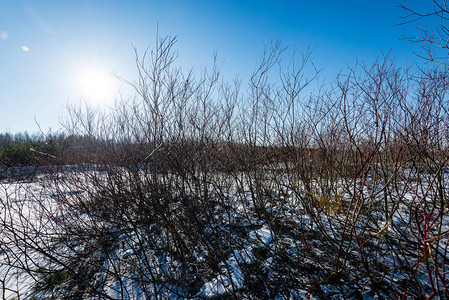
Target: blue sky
[45, 46]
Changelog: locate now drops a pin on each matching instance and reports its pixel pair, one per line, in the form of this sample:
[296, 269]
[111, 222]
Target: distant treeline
[23, 149]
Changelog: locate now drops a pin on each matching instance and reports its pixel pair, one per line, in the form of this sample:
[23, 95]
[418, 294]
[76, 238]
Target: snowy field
[366, 240]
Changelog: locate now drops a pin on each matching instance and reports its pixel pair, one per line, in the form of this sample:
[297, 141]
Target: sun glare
[96, 85]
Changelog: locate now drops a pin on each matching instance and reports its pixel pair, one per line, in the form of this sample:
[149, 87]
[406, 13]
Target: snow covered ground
[290, 251]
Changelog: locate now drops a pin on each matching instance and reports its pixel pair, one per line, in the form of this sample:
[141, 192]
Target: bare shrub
[196, 189]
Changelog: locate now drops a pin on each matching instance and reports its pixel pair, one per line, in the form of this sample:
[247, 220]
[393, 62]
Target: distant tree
[22, 149]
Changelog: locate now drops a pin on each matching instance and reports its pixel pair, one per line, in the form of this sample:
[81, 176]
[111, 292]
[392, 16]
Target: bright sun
[96, 85]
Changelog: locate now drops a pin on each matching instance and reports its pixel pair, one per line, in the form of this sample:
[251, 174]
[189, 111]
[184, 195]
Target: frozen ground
[293, 253]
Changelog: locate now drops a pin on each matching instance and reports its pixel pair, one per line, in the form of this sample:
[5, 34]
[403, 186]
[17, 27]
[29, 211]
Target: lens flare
[3, 35]
[25, 49]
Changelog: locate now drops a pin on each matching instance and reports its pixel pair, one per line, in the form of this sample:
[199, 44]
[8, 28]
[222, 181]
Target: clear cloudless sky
[48, 47]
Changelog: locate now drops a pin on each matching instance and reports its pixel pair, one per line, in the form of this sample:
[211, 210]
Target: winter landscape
[202, 188]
